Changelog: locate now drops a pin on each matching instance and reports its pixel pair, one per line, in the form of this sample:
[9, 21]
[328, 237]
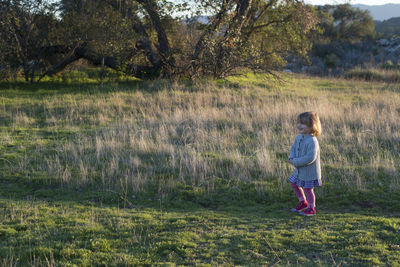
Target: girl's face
[303, 129]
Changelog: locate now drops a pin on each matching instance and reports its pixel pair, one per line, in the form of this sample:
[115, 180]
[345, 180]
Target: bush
[372, 74]
[388, 65]
[331, 60]
[5, 72]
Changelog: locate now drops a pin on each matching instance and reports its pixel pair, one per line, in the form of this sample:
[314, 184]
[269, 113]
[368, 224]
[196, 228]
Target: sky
[365, 2]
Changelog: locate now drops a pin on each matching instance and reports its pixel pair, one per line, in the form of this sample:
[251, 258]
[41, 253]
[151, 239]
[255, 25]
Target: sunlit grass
[181, 135]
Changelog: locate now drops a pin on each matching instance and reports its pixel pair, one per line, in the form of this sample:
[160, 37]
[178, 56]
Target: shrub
[372, 74]
[388, 65]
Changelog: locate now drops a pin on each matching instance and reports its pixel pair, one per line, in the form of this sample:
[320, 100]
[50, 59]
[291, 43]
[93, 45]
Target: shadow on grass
[240, 195]
[74, 232]
[20, 89]
[58, 88]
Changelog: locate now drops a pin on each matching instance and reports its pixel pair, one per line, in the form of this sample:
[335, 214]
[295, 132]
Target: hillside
[388, 28]
[381, 12]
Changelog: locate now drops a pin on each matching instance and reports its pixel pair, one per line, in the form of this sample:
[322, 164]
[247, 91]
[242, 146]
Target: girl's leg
[299, 192]
[310, 197]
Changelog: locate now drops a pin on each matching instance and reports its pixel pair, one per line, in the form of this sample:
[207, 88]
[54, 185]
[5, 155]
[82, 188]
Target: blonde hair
[311, 119]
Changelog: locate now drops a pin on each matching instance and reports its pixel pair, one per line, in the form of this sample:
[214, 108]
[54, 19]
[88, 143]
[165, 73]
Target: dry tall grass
[200, 135]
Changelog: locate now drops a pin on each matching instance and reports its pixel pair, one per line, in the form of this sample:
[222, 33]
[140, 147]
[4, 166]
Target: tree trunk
[26, 72]
[160, 56]
[98, 60]
[164, 49]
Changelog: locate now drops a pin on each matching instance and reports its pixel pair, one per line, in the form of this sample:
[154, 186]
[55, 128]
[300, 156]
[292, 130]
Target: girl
[304, 156]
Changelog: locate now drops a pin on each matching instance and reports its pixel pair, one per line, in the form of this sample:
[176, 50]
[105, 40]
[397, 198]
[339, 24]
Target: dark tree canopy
[149, 38]
[346, 38]
[346, 23]
[26, 30]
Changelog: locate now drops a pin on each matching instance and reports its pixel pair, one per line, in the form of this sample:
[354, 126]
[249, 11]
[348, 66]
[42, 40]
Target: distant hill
[387, 28]
[382, 12]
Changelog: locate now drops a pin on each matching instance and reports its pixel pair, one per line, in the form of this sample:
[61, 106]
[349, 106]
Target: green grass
[159, 172]
[91, 233]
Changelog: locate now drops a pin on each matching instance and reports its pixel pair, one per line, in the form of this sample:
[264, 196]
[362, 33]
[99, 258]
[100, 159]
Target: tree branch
[81, 51]
[210, 30]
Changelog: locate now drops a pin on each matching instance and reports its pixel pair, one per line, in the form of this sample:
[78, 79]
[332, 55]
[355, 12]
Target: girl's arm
[309, 157]
[291, 153]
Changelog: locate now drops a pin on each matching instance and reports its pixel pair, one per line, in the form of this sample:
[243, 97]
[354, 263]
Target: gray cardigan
[305, 155]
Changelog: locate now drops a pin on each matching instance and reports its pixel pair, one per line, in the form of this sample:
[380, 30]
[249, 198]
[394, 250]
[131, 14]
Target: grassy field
[195, 173]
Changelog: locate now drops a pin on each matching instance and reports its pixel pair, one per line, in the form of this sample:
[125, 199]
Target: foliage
[269, 32]
[345, 23]
[347, 38]
[102, 28]
[26, 27]
[146, 39]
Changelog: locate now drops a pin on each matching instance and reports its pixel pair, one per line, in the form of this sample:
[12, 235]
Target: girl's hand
[291, 161]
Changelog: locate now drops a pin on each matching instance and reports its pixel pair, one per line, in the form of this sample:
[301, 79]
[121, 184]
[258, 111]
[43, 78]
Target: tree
[253, 34]
[345, 23]
[346, 37]
[146, 38]
[25, 28]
